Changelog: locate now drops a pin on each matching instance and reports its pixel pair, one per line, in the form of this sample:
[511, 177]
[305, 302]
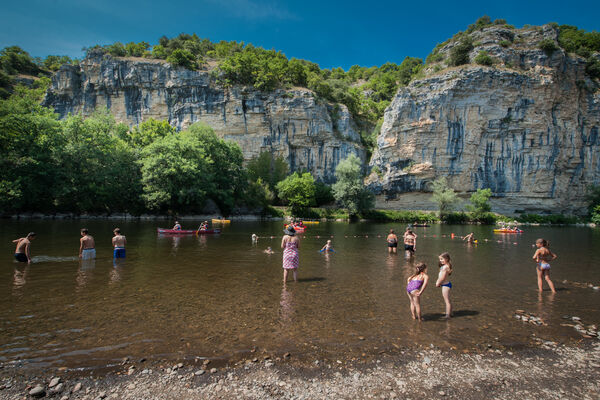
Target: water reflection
[287, 307]
[20, 278]
[84, 273]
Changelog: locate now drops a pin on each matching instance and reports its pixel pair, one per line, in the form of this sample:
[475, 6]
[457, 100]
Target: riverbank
[549, 371]
[340, 215]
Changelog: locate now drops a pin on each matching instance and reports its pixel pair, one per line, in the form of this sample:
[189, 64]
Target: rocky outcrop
[294, 124]
[527, 127]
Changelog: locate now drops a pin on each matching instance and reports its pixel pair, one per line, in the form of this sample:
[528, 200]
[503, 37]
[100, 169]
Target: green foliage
[349, 190]
[459, 54]
[482, 22]
[456, 218]
[400, 216]
[548, 46]
[258, 194]
[480, 203]
[505, 43]
[595, 218]
[574, 40]
[444, 196]
[323, 194]
[148, 131]
[593, 67]
[298, 191]
[14, 60]
[136, 49]
[483, 58]
[116, 49]
[183, 58]
[270, 169]
[179, 172]
[53, 63]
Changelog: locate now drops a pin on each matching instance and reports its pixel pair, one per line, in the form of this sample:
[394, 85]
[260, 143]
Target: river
[221, 297]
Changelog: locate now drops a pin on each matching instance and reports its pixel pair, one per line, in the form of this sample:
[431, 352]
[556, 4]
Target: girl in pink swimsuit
[415, 285]
[290, 243]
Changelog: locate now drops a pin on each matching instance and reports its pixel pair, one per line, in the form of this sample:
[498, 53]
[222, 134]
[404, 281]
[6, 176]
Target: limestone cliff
[526, 127]
[294, 124]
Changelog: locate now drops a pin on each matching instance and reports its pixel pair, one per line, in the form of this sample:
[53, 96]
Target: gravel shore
[549, 371]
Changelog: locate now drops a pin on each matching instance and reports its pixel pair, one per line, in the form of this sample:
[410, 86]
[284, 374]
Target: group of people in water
[87, 246]
[415, 284]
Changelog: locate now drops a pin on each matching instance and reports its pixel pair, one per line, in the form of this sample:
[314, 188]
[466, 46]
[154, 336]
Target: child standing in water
[443, 281]
[327, 247]
[542, 257]
[415, 285]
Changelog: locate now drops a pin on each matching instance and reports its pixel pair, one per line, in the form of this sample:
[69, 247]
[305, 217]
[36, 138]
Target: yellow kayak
[310, 222]
[221, 221]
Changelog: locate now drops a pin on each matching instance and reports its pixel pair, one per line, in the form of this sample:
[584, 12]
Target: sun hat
[289, 230]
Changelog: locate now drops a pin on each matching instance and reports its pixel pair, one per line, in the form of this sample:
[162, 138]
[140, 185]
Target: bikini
[543, 265]
[449, 284]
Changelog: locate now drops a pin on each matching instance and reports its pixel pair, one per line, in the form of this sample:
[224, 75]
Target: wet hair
[446, 256]
[84, 230]
[31, 234]
[410, 232]
[543, 242]
[391, 231]
[419, 269]
[117, 230]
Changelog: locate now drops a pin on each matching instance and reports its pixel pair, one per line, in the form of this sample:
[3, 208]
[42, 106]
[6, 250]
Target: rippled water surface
[219, 296]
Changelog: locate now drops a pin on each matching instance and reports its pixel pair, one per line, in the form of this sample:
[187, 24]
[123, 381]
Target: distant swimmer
[410, 242]
[177, 226]
[470, 238]
[118, 241]
[327, 247]
[415, 285]
[87, 246]
[269, 251]
[392, 241]
[542, 257]
[443, 281]
[22, 252]
[254, 238]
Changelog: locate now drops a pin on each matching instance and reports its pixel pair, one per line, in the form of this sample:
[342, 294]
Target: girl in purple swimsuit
[415, 285]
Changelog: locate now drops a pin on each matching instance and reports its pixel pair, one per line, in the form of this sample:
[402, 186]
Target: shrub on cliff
[548, 46]
[349, 190]
[459, 54]
[183, 58]
[596, 215]
[483, 58]
[298, 192]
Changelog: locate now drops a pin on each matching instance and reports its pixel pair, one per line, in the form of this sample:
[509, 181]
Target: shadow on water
[314, 279]
[456, 314]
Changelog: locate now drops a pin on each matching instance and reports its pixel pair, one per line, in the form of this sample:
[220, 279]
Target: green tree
[349, 190]
[483, 58]
[183, 58]
[323, 194]
[548, 46]
[14, 60]
[298, 191]
[444, 196]
[480, 203]
[595, 217]
[148, 131]
[269, 168]
[29, 145]
[459, 54]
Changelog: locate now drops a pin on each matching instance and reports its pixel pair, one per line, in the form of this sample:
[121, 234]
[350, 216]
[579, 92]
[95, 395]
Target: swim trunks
[448, 285]
[21, 257]
[392, 244]
[409, 247]
[88, 254]
[119, 252]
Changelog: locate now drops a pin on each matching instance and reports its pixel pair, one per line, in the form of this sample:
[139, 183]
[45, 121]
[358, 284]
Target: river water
[220, 296]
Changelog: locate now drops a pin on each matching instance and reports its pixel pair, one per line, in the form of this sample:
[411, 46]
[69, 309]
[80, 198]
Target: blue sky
[330, 33]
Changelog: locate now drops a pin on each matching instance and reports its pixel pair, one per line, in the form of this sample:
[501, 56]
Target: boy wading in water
[22, 252]
[410, 242]
[87, 246]
[392, 241]
[542, 257]
[119, 242]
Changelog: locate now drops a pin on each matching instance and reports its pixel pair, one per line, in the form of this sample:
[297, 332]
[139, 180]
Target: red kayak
[187, 232]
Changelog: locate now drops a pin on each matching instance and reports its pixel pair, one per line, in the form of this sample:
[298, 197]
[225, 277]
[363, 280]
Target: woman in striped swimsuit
[290, 244]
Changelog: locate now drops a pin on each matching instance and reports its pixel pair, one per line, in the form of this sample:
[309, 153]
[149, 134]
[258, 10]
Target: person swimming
[415, 285]
[327, 247]
[268, 251]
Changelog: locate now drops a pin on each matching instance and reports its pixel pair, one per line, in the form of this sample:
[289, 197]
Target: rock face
[293, 123]
[527, 127]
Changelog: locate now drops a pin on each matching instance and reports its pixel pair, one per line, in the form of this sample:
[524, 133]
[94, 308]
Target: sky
[330, 33]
